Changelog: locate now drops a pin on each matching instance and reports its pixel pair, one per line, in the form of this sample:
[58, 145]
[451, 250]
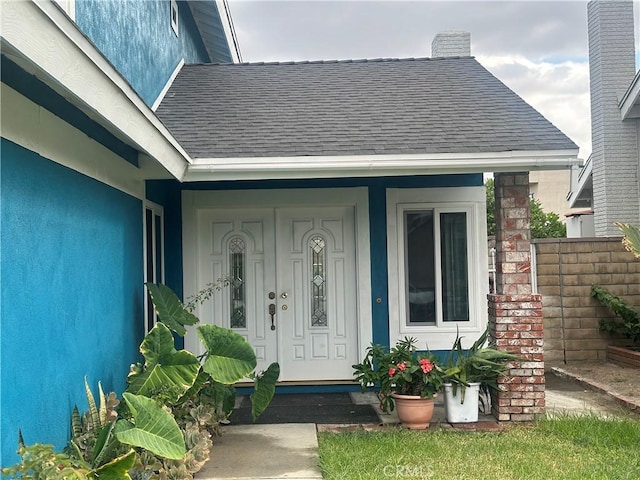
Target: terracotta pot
[413, 411]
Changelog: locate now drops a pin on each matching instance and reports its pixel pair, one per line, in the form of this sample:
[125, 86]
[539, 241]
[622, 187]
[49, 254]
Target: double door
[292, 285]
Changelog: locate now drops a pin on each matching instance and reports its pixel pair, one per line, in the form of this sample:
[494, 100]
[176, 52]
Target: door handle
[272, 312]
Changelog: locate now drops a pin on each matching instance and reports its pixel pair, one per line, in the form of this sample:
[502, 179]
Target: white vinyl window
[438, 266]
[153, 256]
[174, 16]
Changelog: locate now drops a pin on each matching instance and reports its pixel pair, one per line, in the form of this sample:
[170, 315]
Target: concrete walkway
[289, 451]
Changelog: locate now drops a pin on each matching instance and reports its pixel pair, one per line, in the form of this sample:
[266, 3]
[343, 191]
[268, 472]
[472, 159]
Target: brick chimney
[614, 151]
[451, 44]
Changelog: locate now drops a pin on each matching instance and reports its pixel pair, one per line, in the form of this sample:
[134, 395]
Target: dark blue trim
[41, 94]
[379, 270]
[417, 181]
[168, 194]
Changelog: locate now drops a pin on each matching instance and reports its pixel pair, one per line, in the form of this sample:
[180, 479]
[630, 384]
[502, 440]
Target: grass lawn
[567, 447]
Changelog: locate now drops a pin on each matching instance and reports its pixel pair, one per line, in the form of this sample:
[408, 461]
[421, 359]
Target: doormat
[330, 408]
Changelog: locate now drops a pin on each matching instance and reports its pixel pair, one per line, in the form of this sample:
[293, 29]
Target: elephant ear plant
[173, 403]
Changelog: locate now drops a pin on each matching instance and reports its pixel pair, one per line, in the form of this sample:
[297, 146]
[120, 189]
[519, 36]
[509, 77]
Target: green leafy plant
[629, 327]
[631, 240]
[480, 363]
[402, 369]
[40, 462]
[198, 391]
[172, 406]
[228, 357]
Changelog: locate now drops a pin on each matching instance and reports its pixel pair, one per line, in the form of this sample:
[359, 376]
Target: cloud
[537, 48]
[560, 91]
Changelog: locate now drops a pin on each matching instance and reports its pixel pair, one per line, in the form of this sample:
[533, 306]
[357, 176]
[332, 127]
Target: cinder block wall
[566, 268]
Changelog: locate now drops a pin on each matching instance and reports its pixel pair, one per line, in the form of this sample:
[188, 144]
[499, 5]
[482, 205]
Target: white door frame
[193, 200]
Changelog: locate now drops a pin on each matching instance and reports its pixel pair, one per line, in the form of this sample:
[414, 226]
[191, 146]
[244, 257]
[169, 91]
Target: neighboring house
[550, 188]
[608, 182]
[348, 194]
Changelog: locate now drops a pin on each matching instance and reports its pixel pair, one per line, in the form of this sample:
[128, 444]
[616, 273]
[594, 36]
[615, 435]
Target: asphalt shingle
[384, 106]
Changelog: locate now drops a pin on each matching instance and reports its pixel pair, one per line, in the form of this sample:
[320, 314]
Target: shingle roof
[355, 107]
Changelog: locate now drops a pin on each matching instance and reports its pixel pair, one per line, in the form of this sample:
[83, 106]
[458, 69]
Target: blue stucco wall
[137, 38]
[70, 294]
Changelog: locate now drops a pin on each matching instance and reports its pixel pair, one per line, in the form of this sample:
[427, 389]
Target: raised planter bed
[624, 356]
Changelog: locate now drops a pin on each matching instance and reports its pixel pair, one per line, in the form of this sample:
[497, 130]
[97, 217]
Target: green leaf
[201, 378]
[171, 379]
[104, 444]
[153, 428]
[157, 344]
[92, 414]
[166, 371]
[118, 468]
[265, 387]
[170, 309]
[230, 358]
[631, 239]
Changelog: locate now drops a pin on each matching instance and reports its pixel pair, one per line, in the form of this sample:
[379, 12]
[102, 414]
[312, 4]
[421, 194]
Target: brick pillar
[515, 313]
[515, 324]
[513, 255]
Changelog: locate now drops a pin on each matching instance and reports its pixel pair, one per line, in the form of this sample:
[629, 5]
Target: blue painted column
[379, 273]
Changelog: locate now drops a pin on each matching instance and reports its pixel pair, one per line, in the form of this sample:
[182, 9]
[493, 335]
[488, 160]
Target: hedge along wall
[566, 268]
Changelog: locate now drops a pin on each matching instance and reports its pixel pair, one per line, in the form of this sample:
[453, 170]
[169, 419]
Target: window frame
[175, 25]
[157, 257]
[468, 200]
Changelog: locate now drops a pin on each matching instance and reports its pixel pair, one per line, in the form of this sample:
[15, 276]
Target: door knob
[272, 312]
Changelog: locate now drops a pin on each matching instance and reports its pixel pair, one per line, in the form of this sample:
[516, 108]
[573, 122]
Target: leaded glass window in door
[318, 282]
[237, 260]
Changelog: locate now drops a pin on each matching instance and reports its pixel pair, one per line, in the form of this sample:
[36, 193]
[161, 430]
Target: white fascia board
[45, 42]
[167, 85]
[226, 26]
[630, 103]
[256, 168]
[583, 177]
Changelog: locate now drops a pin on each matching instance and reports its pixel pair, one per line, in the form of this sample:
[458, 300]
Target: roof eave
[630, 103]
[272, 168]
[581, 195]
[80, 73]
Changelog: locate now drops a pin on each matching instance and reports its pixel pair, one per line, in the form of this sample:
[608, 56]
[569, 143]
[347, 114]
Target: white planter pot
[458, 412]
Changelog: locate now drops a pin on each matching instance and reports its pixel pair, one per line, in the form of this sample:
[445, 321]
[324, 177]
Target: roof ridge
[328, 62]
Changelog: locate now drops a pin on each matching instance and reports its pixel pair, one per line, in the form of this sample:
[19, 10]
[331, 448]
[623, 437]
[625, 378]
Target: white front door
[316, 279]
[292, 291]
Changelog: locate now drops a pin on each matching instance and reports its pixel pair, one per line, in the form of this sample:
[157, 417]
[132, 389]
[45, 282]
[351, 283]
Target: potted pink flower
[405, 378]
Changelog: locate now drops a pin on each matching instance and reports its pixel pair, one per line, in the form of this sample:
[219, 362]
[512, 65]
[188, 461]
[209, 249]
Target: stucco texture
[71, 294]
[138, 40]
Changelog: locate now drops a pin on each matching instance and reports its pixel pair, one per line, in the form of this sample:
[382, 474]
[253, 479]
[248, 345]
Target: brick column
[515, 313]
[515, 324]
[513, 255]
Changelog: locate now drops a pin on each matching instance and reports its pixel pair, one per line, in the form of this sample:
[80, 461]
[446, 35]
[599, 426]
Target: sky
[537, 48]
